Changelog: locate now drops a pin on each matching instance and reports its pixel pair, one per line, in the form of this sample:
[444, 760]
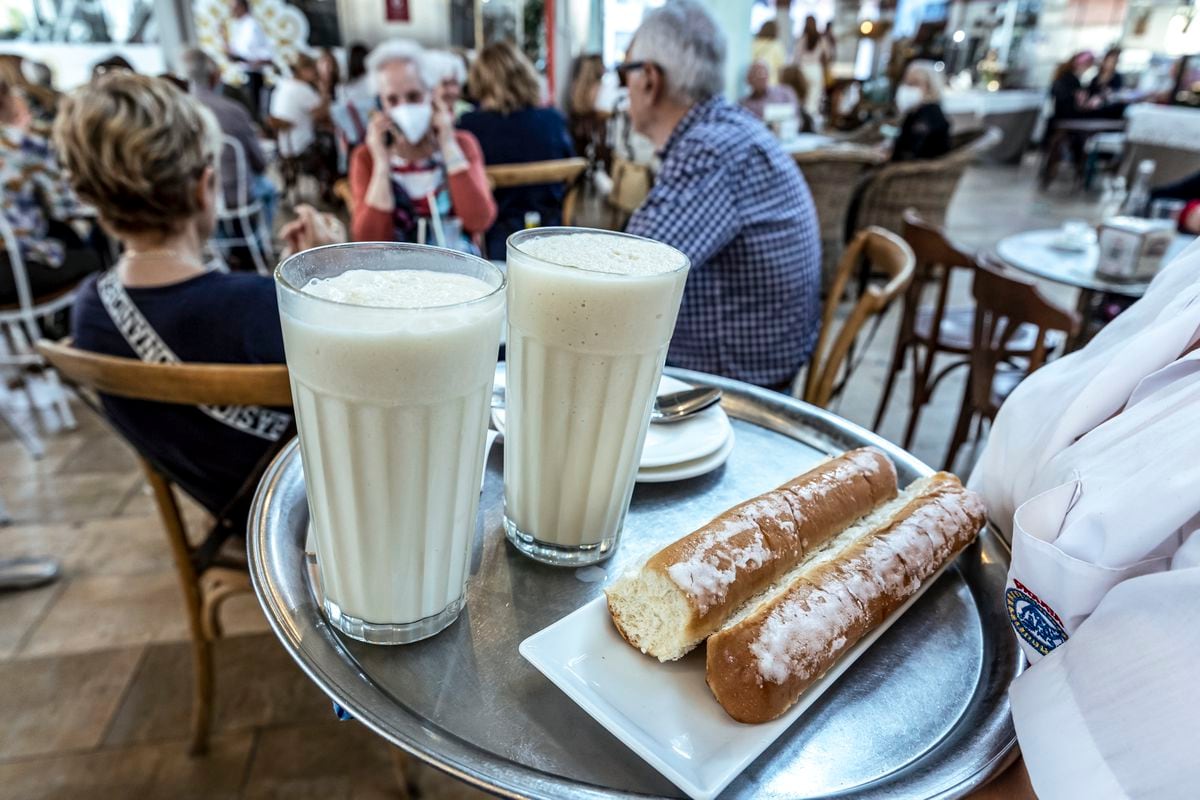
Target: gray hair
[934, 84]
[684, 40]
[402, 50]
[198, 67]
[445, 64]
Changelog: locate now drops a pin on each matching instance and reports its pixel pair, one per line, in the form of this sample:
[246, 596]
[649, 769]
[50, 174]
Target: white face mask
[412, 119]
[908, 98]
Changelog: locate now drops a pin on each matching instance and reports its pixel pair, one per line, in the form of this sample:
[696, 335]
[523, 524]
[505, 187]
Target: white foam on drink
[600, 252]
[398, 288]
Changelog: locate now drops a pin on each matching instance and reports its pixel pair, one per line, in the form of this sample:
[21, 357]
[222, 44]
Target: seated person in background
[1107, 81]
[762, 93]
[358, 83]
[111, 64]
[413, 157]
[511, 129]
[925, 131]
[791, 75]
[144, 154]
[1066, 88]
[298, 104]
[451, 73]
[329, 76]
[203, 77]
[729, 198]
[1090, 467]
[37, 202]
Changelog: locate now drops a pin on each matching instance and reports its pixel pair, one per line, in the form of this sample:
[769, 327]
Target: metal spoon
[670, 407]
[675, 406]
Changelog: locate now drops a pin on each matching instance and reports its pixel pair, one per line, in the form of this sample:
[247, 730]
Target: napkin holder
[1132, 249]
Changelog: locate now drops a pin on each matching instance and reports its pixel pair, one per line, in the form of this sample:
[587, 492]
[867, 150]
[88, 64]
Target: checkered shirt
[737, 205]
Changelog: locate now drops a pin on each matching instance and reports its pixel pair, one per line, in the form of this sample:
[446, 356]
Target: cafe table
[1038, 254]
[922, 713]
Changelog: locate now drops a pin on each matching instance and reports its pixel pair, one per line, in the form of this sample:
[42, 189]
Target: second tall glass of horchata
[590, 314]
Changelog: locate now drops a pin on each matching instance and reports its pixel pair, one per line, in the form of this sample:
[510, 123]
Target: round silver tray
[924, 713]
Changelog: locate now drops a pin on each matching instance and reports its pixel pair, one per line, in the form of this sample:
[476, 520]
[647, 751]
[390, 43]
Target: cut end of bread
[653, 614]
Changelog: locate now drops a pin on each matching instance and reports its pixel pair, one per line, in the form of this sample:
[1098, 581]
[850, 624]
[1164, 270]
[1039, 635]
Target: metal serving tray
[924, 713]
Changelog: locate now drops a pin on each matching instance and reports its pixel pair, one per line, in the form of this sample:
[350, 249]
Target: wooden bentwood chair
[1003, 303]
[928, 330]
[207, 581]
[883, 253]
[535, 173]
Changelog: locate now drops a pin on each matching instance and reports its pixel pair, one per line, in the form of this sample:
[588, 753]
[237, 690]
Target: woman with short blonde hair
[143, 154]
[512, 128]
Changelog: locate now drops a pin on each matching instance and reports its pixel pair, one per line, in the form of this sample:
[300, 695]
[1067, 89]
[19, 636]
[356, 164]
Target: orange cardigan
[470, 195]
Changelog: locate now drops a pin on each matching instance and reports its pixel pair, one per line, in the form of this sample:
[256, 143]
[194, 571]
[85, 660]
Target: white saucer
[677, 442]
[688, 469]
[692, 444]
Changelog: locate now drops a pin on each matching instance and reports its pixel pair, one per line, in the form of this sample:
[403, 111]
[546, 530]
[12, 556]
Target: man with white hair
[729, 198]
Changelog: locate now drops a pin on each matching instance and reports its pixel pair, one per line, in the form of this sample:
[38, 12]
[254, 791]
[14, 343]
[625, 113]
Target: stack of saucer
[694, 446]
[673, 451]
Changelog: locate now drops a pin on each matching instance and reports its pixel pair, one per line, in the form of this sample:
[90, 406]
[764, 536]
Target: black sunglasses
[627, 67]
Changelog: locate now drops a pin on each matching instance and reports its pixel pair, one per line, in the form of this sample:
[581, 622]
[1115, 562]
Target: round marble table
[1034, 253]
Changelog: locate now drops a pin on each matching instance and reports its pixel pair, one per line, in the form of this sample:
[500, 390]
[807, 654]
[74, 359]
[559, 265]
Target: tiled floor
[95, 672]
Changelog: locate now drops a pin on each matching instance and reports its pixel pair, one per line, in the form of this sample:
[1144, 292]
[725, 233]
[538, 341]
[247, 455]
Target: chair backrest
[240, 171]
[1004, 302]
[535, 173]
[937, 259]
[832, 176]
[187, 384]
[631, 184]
[926, 185]
[884, 253]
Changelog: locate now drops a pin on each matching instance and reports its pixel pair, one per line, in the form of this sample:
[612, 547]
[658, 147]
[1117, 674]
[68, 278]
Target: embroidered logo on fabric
[1033, 620]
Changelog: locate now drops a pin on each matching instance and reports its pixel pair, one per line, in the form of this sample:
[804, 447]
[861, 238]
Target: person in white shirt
[297, 103]
[247, 43]
[1092, 467]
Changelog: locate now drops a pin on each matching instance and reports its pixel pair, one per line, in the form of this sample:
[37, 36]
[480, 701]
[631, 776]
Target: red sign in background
[397, 10]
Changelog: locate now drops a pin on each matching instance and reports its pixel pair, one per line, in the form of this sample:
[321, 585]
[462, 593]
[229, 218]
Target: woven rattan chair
[207, 580]
[832, 176]
[925, 186]
[885, 254]
[535, 173]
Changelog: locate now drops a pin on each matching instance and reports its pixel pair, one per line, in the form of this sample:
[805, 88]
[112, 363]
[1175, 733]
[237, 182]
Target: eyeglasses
[625, 68]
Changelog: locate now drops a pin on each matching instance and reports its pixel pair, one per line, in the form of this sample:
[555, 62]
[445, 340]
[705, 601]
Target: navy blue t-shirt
[531, 134]
[223, 318]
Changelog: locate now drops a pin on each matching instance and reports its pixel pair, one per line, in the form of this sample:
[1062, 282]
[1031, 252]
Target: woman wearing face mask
[925, 132]
[414, 161]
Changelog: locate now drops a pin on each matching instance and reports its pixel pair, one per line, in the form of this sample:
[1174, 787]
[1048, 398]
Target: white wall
[365, 21]
[72, 63]
[733, 17]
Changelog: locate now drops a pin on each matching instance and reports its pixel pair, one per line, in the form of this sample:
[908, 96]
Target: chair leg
[961, 427]
[893, 368]
[920, 391]
[61, 401]
[202, 699]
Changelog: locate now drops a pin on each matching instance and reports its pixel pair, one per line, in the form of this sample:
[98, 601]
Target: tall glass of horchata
[392, 352]
[590, 314]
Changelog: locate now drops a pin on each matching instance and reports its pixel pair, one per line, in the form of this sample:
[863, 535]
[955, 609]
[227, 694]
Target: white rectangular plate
[665, 712]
